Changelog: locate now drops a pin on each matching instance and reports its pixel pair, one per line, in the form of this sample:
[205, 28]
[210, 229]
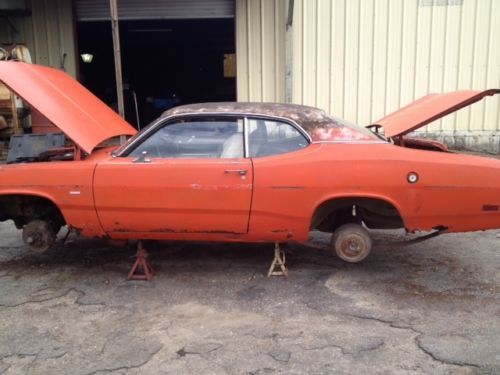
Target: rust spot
[288, 233]
[216, 232]
[309, 118]
[491, 207]
[170, 230]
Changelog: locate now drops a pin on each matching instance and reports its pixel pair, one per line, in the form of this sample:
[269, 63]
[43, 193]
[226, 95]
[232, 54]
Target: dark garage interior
[165, 63]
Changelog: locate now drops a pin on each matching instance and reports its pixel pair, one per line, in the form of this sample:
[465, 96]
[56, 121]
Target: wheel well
[374, 213]
[24, 208]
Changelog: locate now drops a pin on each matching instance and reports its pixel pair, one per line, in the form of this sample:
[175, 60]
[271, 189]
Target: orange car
[243, 172]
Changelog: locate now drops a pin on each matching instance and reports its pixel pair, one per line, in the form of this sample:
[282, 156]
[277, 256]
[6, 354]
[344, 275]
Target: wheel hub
[351, 242]
[352, 246]
[38, 235]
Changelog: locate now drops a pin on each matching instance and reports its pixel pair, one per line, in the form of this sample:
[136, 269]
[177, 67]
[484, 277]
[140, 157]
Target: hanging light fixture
[87, 57]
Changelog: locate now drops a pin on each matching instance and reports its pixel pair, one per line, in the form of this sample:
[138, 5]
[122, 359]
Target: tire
[39, 235]
[351, 242]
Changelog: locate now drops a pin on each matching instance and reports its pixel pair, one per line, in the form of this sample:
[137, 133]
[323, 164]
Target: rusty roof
[307, 117]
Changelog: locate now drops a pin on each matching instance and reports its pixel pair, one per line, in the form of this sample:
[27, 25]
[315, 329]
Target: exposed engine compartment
[420, 144]
[39, 147]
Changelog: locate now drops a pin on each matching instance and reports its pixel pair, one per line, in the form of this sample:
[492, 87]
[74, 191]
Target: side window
[267, 137]
[195, 138]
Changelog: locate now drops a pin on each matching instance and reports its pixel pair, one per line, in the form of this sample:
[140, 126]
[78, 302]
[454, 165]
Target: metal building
[45, 26]
[357, 59]
[362, 59]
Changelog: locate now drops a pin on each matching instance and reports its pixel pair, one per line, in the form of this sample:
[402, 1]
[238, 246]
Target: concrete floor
[427, 308]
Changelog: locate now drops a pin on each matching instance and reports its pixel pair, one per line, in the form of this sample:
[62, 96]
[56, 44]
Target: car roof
[307, 117]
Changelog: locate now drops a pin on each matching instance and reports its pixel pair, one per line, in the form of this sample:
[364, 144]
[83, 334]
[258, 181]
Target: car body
[241, 172]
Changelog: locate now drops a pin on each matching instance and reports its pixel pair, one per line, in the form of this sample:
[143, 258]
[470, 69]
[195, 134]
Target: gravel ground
[431, 307]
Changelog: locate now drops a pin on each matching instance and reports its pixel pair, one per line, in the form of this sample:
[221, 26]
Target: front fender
[68, 185]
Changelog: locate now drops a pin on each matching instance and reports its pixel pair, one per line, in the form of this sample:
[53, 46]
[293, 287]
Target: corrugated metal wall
[357, 59]
[48, 33]
[98, 10]
[362, 59]
[260, 50]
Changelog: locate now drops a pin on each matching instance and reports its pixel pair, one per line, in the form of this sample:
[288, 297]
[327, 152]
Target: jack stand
[278, 262]
[141, 264]
[70, 230]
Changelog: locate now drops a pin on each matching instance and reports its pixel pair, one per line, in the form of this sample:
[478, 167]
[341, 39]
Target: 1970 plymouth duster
[242, 172]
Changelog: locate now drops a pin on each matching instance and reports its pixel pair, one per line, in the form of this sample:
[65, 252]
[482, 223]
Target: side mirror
[143, 158]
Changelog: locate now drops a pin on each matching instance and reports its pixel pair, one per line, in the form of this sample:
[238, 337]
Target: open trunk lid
[428, 109]
[84, 118]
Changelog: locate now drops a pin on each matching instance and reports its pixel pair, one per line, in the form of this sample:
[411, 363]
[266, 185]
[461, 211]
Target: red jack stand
[142, 269]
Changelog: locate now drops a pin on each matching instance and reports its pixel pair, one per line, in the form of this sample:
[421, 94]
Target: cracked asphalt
[431, 307]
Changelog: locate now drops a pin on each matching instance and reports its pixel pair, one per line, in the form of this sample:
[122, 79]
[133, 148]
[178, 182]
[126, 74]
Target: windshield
[335, 129]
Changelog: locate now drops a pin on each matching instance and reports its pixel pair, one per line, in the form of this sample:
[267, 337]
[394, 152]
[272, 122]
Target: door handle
[241, 172]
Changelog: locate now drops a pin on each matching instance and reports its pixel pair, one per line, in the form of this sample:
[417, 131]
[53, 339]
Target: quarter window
[195, 138]
[267, 137]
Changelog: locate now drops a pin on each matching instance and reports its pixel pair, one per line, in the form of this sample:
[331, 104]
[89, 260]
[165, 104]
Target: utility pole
[118, 58]
[289, 54]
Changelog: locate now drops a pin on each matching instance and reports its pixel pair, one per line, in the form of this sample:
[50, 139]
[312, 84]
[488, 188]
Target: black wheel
[351, 242]
[39, 235]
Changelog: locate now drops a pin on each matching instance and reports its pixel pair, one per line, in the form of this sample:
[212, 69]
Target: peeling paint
[309, 118]
[491, 207]
[170, 230]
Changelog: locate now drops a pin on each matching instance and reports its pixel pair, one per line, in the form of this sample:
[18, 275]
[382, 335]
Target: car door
[187, 176]
[284, 178]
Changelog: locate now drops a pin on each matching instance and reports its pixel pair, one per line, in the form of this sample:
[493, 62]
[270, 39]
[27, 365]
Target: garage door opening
[165, 63]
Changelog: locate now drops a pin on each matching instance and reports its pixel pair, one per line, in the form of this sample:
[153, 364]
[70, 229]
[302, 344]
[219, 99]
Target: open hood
[428, 109]
[79, 114]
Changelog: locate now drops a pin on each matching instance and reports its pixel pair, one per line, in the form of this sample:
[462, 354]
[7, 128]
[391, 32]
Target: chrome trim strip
[352, 142]
[246, 149]
[140, 137]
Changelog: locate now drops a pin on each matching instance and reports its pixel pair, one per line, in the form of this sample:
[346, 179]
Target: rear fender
[339, 197]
